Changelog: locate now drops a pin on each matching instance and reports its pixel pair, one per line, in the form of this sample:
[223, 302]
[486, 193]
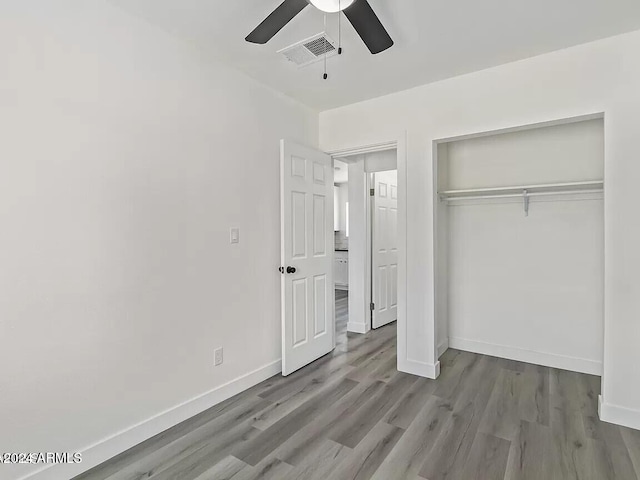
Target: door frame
[399, 143]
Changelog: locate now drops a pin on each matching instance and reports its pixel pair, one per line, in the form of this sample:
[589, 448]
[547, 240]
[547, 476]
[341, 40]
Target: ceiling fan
[359, 13]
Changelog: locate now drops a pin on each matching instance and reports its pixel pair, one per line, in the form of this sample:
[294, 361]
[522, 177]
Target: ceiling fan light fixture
[359, 13]
[331, 6]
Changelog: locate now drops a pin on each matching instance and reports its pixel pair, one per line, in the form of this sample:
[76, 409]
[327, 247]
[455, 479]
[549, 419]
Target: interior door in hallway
[385, 248]
[307, 245]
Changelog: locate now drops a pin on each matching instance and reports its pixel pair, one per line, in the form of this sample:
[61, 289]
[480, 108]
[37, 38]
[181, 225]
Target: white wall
[598, 77]
[343, 198]
[125, 157]
[441, 252]
[562, 153]
[359, 316]
[381, 161]
[528, 288]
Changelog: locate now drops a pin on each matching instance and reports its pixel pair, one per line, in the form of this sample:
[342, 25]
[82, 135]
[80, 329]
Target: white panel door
[307, 245]
[385, 248]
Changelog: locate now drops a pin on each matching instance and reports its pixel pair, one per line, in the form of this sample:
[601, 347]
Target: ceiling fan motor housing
[331, 6]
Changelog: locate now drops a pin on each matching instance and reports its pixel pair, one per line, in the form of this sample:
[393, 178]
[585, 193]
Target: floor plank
[404, 412]
[365, 459]
[271, 468]
[487, 458]
[502, 416]
[407, 457]
[569, 454]
[303, 443]
[268, 440]
[320, 463]
[528, 457]
[228, 468]
[353, 428]
[453, 444]
[632, 441]
[534, 401]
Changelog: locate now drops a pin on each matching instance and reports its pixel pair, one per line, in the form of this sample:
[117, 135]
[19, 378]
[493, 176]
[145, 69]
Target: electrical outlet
[217, 356]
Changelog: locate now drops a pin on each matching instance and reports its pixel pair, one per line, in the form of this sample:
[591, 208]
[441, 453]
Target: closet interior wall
[530, 287]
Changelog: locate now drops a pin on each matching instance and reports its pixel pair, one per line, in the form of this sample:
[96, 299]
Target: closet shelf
[519, 190]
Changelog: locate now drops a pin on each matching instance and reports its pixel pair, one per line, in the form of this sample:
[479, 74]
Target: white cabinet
[341, 270]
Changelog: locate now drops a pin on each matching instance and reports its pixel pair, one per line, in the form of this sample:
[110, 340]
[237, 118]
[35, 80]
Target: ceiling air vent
[310, 50]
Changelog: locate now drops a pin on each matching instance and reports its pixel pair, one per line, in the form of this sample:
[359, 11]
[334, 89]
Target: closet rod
[519, 195]
[552, 188]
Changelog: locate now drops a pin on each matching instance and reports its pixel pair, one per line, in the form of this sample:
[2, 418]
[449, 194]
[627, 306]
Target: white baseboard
[111, 446]
[562, 362]
[626, 417]
[443, 346]
[357, 327]
[428, 370]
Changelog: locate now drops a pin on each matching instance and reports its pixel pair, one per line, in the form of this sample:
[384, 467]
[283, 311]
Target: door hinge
[372, 306]
[372, 192]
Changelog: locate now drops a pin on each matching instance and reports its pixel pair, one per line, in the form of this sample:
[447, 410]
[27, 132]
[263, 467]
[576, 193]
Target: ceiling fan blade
[368, 26]
[276, 20]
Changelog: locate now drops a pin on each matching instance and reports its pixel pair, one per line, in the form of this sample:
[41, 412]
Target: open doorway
[341, 247]
[366, 241]
[308, 266]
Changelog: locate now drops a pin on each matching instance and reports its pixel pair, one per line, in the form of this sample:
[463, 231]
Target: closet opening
[519, 244]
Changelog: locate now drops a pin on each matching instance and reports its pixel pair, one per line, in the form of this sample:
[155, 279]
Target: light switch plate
[234, 235]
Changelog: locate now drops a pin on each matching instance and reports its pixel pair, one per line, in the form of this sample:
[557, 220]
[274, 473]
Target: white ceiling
[434, 39]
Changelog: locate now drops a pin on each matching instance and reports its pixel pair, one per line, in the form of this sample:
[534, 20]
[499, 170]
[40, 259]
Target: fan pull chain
[339, 28]
[325, 76]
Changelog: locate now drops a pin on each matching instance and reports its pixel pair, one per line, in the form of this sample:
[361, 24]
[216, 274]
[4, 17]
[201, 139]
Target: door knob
[281, 269]
[291, 269]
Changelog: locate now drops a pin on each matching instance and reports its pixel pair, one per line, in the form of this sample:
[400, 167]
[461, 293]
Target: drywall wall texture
[125, 157]
[528, 287]
[597, 77]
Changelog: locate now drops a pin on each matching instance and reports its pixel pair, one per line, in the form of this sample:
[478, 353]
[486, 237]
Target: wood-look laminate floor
[351, 415]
